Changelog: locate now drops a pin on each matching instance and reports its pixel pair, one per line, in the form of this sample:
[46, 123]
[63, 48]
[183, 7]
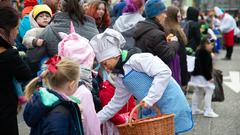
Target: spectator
[150, 36]
[70, 11]
[12, 66]
[99, 11]
[179, 64]
[132, 14]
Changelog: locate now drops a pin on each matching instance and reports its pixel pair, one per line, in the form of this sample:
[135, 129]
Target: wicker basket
[163, 124]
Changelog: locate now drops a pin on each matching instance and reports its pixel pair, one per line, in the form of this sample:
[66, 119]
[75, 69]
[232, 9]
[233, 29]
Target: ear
[62, 35]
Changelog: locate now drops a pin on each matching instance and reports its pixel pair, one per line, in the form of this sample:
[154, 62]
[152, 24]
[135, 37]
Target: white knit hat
[218, 11]
[107, 44]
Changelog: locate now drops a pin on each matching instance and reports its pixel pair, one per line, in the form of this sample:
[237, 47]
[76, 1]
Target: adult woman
[71, 12]
[132, 14]
[99, 11]
[11, 67]
[172, 26]
[150, 35]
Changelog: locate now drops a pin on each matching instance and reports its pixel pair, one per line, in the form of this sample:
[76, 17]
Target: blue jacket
[23, 28]
[47, 113]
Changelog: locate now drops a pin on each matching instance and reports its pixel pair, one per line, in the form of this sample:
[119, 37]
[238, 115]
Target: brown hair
[172, 25]
[67, 70]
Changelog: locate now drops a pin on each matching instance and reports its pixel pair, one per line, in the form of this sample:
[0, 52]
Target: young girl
[51, 110]
[142, 75]
[99, 11]
[78, 48]
[202, 78]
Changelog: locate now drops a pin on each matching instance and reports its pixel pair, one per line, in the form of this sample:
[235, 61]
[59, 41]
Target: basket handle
[139, 105]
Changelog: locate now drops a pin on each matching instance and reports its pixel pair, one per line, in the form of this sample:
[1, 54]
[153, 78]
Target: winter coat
[31, 34]
[11, 66]
[24, 26]
[194, 35]
[150, 37]
[203, 64]
[125, 25]
[61, 23]
[106, 93]
[49, 113]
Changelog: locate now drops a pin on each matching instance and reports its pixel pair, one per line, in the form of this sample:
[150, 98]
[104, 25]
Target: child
[142, 75]
[51, 110]
[39, 18]
[78, 48]
[202, 78]
[42, 16]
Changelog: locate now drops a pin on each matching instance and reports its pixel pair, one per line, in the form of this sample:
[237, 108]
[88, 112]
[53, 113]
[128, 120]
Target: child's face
[43, 19]
[110, 64]
[209, 47]
[101, 10]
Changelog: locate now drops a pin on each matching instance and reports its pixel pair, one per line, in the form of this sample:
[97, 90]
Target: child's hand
[39, 42]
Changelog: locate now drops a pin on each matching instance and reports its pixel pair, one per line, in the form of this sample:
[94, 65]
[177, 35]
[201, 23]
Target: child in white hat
[142, 75]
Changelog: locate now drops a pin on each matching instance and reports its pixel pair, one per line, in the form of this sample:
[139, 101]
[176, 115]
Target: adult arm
[156, 68]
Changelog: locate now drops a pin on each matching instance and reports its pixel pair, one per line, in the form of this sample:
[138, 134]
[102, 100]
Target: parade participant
[202, 78]
[142, 75]
[12, 66]
[227, 26]
[51, 110]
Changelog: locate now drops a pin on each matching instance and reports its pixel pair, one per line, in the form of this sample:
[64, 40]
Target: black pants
[229, 52]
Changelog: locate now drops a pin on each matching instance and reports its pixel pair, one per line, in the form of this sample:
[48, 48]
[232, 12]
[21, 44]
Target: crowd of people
[84, 65]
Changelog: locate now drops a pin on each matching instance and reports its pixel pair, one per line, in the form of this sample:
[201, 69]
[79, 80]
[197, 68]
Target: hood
[144, 26]
[192, 14]
[127, 21]
[33, 23]
[41, 102]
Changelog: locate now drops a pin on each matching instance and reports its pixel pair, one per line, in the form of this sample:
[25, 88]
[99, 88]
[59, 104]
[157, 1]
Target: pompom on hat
[38, 9]
[154, 8]
[107, 44]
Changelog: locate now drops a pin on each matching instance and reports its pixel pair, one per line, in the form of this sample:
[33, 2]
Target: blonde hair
[67, 70]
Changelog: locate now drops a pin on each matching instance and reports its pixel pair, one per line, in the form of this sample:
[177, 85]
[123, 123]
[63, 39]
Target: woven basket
[163, 124]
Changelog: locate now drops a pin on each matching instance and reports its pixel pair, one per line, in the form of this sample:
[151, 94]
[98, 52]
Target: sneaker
[211, 114]
[197, 112]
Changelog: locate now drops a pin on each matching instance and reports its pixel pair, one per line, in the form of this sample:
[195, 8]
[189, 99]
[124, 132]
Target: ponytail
[33, 84]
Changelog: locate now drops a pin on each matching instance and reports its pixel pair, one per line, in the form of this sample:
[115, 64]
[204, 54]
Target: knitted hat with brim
[38, 9]
[154, 8]
[107, 44]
